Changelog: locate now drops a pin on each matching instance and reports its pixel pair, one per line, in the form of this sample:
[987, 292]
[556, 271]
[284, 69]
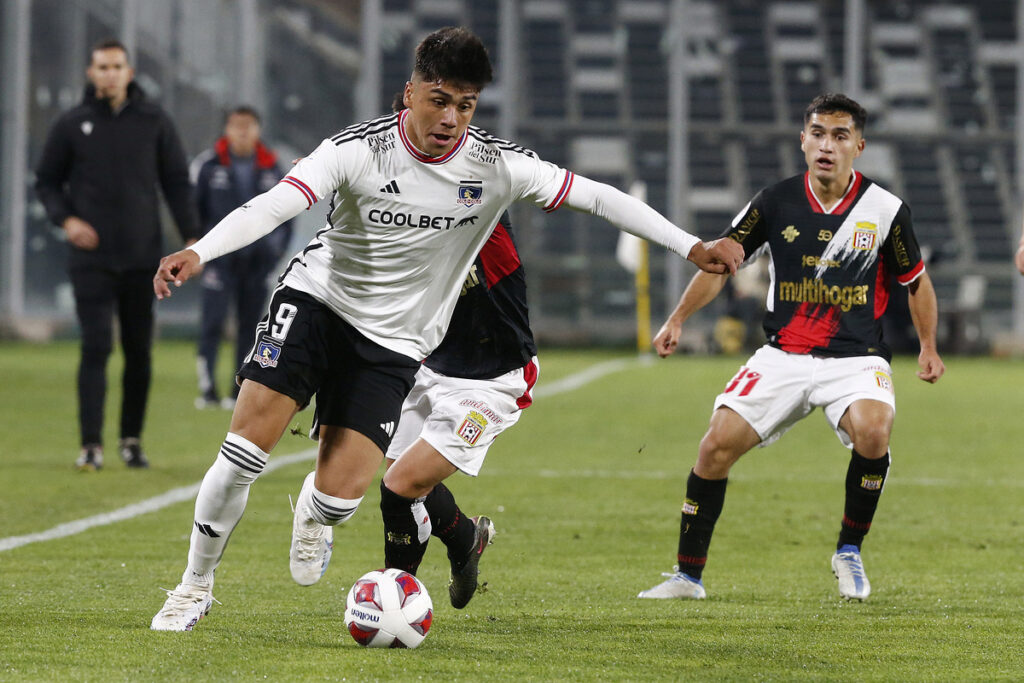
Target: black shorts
[303, 348]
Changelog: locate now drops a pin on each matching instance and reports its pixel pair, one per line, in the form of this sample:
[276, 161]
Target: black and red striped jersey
[489, 333]
[830, 270]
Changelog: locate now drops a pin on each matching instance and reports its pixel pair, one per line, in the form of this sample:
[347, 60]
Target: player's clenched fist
[176, 268]
[720, 256]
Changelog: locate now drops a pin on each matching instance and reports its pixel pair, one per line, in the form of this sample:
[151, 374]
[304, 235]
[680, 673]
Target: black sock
[402, 547]
[703, 505]
[864, 481]
[448, 523]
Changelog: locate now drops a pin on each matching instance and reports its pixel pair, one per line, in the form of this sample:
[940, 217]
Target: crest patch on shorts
[267, 353]
[472, 427]
[884, 380]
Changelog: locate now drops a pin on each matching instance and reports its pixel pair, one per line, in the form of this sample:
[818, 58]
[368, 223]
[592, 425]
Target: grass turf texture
[585, 494]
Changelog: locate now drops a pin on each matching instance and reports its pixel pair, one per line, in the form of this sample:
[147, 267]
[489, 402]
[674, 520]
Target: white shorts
[776, 389]
[462, 417]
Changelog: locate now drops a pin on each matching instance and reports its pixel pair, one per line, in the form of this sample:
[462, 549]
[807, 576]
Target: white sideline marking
[184, 493]
[171, 497]
[588, 375]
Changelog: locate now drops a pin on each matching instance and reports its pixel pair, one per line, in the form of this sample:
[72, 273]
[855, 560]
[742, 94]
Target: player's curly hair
[832, 102]
[454, 54]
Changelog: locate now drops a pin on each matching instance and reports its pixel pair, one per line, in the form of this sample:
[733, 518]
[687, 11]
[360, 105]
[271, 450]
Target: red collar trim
[265, 158]
[420, 156]
[844, 202]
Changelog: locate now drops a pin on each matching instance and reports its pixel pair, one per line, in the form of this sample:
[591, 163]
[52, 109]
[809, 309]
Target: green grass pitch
[585, 494]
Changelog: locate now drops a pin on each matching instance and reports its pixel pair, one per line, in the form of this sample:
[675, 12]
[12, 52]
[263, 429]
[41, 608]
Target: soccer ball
[388, 608]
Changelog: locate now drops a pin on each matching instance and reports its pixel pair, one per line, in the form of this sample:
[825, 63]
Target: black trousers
[99, 295]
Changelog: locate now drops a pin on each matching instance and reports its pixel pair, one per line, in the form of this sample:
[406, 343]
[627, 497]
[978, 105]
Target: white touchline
[588, 375]
[184, 493]
[153, 504]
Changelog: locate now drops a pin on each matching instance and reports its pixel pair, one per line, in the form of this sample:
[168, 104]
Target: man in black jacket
[98, 179]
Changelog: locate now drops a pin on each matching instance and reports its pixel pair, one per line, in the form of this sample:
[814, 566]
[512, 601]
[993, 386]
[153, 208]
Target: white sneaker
[185, 606]
[312, 542]
[849, 570]
[677, 585]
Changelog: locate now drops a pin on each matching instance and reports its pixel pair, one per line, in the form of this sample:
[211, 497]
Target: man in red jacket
[237, 168]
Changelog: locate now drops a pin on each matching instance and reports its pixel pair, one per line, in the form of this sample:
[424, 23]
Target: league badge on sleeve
[470, 192]
[267, 353]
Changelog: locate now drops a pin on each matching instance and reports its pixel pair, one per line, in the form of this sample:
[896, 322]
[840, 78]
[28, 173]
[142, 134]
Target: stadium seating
[939, 80]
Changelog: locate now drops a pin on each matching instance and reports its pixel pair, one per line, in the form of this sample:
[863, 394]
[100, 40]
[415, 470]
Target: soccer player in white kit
[834, 238]
[413, 197]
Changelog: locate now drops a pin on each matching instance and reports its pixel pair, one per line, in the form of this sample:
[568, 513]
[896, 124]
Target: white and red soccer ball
[388, 608]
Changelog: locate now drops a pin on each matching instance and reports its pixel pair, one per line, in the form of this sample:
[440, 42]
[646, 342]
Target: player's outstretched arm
[631, 215]
[240, 228]
[924, 311]
[701, 291]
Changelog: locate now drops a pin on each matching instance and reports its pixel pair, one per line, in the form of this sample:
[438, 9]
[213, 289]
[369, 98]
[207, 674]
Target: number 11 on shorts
[747, 377]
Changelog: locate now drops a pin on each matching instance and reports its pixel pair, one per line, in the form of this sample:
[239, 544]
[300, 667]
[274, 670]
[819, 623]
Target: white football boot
[849, 570]
[677, 585]
[312, 542]
[185, 606]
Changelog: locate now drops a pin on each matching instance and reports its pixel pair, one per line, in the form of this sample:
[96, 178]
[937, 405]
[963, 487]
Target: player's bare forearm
[719, 257]
[924, 311]
[701, 291]
[176, 268]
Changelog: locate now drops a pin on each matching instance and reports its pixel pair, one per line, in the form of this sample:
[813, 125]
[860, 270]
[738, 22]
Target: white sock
[192, 579]
[328, 510]
[221, 502]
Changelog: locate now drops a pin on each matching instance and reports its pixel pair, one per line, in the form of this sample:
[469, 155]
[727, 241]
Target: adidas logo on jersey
[391, 188]
[389, 428]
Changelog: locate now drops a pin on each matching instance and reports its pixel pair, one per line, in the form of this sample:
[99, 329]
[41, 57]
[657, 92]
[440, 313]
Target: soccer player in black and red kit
[834, 238]
[470, 389]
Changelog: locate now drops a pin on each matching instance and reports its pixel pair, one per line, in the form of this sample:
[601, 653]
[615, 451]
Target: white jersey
[403, 228]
